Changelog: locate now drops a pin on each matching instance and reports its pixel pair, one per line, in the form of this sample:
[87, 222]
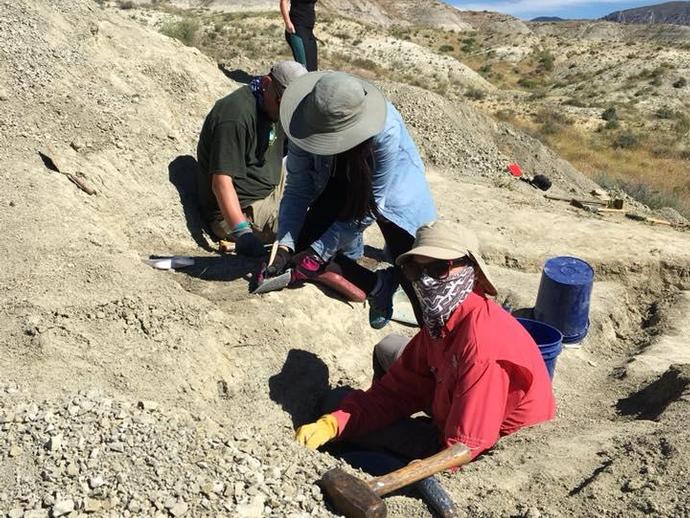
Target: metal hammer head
[352, 496]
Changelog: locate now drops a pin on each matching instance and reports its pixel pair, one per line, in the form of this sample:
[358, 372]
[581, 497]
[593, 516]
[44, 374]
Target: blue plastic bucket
[563, 298]
[548, 340]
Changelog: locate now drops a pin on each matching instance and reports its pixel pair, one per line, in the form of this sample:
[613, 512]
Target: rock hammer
[357, 498]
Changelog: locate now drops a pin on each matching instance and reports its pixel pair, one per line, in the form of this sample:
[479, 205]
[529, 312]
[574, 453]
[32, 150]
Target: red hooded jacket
[485, 379]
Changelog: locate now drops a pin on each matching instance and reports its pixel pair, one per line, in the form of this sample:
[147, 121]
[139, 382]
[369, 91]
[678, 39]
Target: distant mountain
[676, 13]
[547, 19]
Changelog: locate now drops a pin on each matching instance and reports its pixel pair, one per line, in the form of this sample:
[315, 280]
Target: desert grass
[652, 172]
[184, 30]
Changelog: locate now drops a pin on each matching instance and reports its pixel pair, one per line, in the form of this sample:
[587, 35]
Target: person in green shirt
[240, 155]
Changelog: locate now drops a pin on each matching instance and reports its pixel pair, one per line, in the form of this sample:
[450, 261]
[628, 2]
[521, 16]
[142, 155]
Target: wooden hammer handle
[274, 251]
[80, 183]
[452, 457]
[576, 200]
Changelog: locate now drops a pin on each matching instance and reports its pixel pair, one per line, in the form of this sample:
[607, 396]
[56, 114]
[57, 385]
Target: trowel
[403, 311]
[264, 285]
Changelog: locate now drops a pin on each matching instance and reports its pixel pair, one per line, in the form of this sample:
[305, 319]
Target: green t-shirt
[239, 140]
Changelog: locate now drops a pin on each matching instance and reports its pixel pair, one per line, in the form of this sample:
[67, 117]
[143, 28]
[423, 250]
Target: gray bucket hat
[327, 113]
[287, 71]
[441, 240]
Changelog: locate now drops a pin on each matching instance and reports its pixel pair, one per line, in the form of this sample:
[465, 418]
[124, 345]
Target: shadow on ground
[222, 268]
[237, 75]
[650, 402]
[182, 173]
[300, 386]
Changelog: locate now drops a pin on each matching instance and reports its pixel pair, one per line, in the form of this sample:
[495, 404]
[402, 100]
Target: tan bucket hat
[441, 240]
[328, 112]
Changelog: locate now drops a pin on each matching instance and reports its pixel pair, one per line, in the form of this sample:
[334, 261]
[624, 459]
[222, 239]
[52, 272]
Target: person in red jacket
[472, 368]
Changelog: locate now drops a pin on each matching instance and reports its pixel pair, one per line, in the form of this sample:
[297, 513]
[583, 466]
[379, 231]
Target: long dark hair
[357, 166]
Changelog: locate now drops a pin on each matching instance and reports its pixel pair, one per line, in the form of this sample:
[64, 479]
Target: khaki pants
[262, 215]
[387, 351]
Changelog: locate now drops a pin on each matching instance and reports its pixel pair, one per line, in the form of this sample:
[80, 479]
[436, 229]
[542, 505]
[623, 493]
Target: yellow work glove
[315, 434]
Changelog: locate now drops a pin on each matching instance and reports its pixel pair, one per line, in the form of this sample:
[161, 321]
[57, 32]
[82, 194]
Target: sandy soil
[87, 324]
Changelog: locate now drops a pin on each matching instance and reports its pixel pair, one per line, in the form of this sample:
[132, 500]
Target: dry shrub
[184, 30]
[664, 173]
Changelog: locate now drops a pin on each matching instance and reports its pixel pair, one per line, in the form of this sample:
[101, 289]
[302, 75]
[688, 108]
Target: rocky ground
[94, 454]
[128, 391]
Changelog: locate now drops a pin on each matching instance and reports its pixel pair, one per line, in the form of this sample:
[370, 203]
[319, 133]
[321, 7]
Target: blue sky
[527, 9]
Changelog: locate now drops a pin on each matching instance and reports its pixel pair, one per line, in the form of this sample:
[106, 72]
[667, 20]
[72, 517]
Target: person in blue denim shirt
[351, 162]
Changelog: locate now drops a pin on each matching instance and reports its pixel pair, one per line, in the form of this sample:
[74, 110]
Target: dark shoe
[381, 302]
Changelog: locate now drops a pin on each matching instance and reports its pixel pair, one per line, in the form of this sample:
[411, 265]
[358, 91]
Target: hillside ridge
[675, 13]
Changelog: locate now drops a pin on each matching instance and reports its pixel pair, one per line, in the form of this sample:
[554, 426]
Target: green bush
[446, 48]
[505, 114]
[474, 93]
[612, 124]
[665, 113]
[184, 30]
[125, 4]
[552, 121]
[682, 125]
[552, 115]
[399, 32]
[610, 114]
[366, 64]
[550, 127]
[626, 140]
[546, 61]
[681, 83]
[528, 83]
[468, 45]
[643, 193]
[574, 101]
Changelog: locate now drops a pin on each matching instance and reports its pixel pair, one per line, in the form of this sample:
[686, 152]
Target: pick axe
[356, 498]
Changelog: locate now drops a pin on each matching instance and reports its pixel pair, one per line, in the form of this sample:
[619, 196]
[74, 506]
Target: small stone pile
[452, 136]
[90, 453]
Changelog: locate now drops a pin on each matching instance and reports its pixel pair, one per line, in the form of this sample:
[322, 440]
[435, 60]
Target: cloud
[519, 7]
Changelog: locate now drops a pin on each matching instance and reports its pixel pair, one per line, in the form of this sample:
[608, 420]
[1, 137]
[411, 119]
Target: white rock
[179, 509]
[254, 509]
[92, 506]
[62, 507]
[96, 482]
[147, 405]
[15, 451]
[55, 443]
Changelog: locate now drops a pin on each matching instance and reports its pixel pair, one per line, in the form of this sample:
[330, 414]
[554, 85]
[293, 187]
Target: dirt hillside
[431, 13]
[129, 391]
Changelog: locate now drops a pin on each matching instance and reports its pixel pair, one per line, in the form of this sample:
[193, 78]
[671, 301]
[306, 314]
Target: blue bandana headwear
[258, 92]
[438, 298]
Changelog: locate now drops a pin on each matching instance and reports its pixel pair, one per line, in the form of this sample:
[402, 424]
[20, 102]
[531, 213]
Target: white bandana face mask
[439, 297]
